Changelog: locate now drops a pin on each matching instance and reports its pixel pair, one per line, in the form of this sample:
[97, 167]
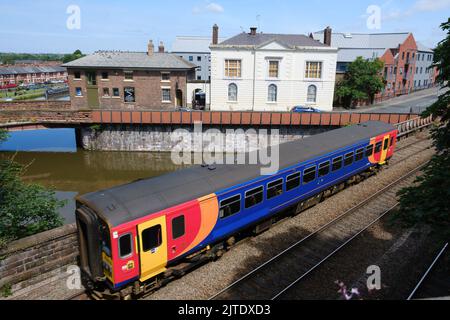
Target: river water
[54, 161]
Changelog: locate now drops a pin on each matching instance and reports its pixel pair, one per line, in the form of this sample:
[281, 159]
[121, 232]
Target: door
[179, 98]
[152, 247]
[92, 90]
[384, 151]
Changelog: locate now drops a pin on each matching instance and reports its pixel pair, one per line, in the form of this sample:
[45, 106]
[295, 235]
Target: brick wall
[25, 261]
[35, 105]
[36, 116]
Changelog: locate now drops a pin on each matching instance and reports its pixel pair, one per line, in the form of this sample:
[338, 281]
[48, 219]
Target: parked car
[184, 109]
[301, 109]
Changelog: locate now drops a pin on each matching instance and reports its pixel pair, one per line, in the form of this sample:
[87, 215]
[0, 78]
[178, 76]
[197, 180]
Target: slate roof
[134, 60]
[27, 70]
[260, 39]
[192, 44]
[364, 40]
[143, 197]
[422, 48]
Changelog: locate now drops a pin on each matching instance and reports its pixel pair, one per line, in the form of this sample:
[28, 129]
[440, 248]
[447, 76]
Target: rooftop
[135, 60]
[192, 44]
[33, 69]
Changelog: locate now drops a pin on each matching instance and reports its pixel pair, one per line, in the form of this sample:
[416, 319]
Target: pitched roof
[135, 60]
[422, 48]
[364, 40]
[34, 69]
[192, 44]
[260, 39]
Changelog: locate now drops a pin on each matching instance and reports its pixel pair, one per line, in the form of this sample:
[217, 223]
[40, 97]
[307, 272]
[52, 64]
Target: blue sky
[41, 25]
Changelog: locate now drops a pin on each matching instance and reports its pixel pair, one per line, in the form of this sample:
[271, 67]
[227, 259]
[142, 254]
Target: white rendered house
[272, 72]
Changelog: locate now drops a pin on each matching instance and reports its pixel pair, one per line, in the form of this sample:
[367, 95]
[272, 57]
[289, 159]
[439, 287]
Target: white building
[272, 72]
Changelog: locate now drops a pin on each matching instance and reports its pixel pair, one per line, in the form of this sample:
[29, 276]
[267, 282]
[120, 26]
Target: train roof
[137, 199]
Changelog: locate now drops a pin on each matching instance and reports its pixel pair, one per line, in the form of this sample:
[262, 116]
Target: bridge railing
[414, 124]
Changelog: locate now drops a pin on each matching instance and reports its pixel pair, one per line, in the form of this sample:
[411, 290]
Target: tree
[74, 56]
[429, 201]
[25, 209]
[361, 82]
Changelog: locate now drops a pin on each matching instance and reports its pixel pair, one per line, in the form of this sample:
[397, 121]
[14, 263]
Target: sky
[62, 26]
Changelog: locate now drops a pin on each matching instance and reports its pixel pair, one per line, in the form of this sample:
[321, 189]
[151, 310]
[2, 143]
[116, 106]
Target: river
[54, 162]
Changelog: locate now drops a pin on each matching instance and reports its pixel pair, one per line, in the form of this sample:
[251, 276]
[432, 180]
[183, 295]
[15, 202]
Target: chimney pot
[253, 31]
[150, 48]
[215, 35]
[161, 47]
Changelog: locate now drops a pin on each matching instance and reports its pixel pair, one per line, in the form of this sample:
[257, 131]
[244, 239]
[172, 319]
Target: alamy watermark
[234, 146]
[73, 21]
[373, 21]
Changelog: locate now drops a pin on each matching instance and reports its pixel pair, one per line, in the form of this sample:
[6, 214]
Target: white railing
[415, 124]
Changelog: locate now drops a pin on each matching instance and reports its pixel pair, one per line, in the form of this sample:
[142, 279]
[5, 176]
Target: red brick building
[16, 75]
[129, 80]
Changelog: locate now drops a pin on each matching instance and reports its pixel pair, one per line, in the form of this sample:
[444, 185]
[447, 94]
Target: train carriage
[136, 236]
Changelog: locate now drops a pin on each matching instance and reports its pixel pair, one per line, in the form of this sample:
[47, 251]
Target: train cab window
[151, 238]
[348, 160]
[378, 147]
[254, 197]
[178, 227]
[324, 169]
[359, 155]
[275, 189]
[309, 175]
[230, 206]
[386, 144]
[369, 150]
[125, 246]
[337, 164]
[293, 181]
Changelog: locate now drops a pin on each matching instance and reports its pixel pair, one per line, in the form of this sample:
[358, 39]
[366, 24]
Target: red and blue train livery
[134, 237]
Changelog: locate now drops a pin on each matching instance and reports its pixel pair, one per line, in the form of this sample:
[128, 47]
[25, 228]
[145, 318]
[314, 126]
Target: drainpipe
[254, 78]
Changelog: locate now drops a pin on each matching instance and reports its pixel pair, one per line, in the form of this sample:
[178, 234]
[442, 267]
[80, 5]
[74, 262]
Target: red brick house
[129, 80]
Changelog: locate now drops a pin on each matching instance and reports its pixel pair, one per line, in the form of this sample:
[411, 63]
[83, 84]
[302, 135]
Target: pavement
[415, 102]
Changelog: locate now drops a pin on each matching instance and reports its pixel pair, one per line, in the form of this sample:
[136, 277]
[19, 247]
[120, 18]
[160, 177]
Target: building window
[199, 69]
[128, 75]
[106, 92]
[129, 95]
[199, 77]
[233, 68]
[313, 70]
[165, 76]
[191, 58]
[76, 75]
[273, 91]
[151, 238]
[232, 92]
[78, 92]
[166, 95]
[199, 58]
[273, 69]
[104, 75]
[116, 92]
[312, 94]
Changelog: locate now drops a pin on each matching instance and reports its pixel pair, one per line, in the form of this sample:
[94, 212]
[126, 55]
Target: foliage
[6, 290]
[25, 209]
[3, 135]
[428, 202]
[361, 82]
[74, 56]
[10, 58]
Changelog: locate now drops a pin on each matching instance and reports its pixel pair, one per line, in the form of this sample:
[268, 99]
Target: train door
[153, 247]
[385, 149]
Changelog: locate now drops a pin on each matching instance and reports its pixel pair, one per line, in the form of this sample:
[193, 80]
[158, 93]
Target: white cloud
[214, 7]
[431, 5]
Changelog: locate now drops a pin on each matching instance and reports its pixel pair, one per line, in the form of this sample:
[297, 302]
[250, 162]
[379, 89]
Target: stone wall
[26, 261]
[45, 116]
[35, 105]
[157, 138]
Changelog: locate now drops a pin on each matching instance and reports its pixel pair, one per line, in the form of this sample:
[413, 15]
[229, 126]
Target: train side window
[254, 197]
[386, 144]
[293, 181]
[378, 147]
[151, 238]
[275, 189]
[348, 160]
[369, 151]
[359, 155]
[309, 175]
[230, 206]
[125, 246]
[337, 164]
[324, 169]
[178, 227]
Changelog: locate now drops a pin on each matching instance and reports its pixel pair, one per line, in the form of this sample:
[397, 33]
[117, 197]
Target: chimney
[215, 34]
[253, 31]
[161, 47]
[327, 36]
[150, 48]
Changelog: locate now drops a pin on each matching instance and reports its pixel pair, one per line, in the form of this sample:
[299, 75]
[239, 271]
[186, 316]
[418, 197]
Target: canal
[54, 162]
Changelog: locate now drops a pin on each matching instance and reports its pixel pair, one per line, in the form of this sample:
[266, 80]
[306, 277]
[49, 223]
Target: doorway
[92, 89]
[179, 98]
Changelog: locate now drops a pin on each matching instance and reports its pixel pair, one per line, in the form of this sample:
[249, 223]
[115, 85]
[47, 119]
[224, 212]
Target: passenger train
[136, 237]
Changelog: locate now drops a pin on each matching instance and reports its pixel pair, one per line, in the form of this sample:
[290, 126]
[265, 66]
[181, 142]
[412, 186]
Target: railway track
[275, 278]
[435, 282]
[79, 296]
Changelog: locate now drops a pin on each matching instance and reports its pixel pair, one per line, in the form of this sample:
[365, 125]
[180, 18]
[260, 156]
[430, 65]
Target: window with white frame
[312, 94]
[272, 93]
[273, 68]
[233, 68]
[313, 70]
[232, 92]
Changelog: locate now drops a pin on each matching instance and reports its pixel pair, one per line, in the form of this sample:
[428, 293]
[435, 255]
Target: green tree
[25, 209]
[361, 82]
[429, 201]
[74, 56]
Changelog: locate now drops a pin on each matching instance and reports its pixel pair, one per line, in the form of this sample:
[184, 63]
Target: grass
[23, 94]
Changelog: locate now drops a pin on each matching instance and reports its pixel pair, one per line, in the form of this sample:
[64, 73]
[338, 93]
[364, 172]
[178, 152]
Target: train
[136, 237]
